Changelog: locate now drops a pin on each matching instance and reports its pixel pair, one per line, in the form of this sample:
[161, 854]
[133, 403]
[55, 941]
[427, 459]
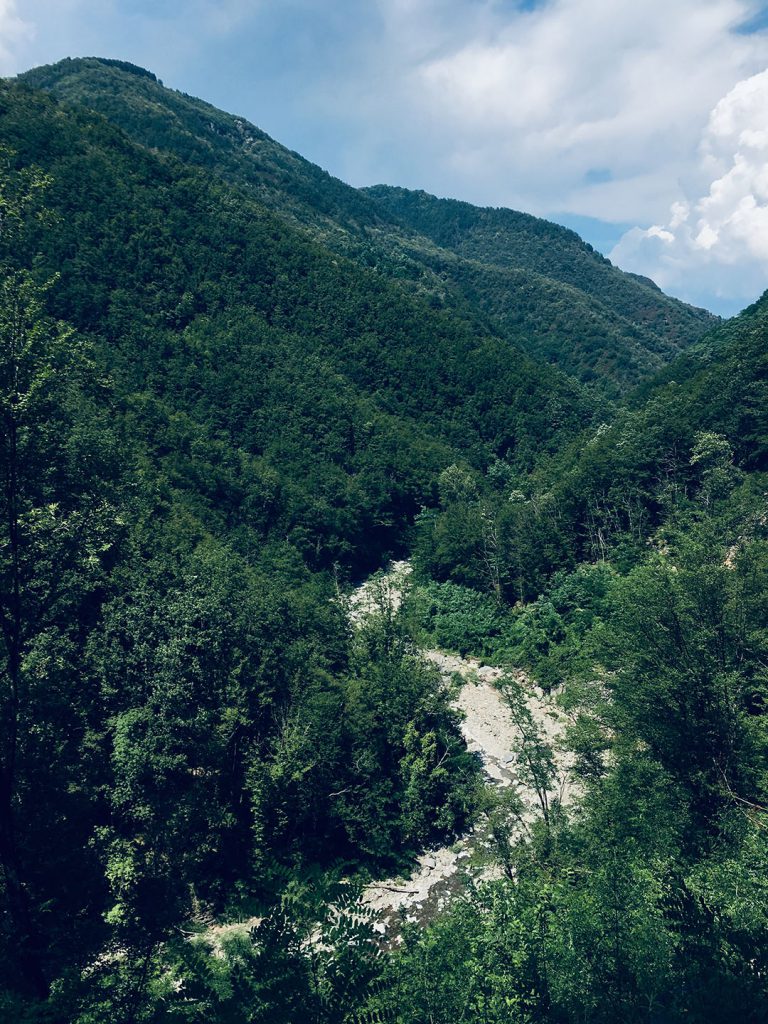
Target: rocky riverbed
[489, 729]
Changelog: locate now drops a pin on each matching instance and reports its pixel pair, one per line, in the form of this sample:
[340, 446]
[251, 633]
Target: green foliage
[537, 285]
[600, 921]
[455, 618]
[313, 957]
[394, 700]
[59, 529]
[551, 635]
[647, 904]
[686, 642]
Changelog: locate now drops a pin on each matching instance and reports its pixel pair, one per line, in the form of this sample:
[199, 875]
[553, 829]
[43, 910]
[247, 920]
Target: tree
[535, 764]
[687, 643]
[55, 525]
[712, 456]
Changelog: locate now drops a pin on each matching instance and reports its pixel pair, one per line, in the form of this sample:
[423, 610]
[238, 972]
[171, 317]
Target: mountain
[508, 256]
[519, 278]
[339, 391]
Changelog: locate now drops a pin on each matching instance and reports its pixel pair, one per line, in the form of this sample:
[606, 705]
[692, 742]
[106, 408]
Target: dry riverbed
[489, 730]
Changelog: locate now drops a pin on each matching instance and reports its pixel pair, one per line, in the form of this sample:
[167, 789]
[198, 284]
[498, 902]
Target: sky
[642, 125]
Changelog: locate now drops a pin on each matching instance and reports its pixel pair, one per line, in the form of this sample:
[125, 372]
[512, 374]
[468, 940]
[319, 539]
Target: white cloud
[717, 242]
[503, 104]
[223, 16]
[170, 37]
[13, 30]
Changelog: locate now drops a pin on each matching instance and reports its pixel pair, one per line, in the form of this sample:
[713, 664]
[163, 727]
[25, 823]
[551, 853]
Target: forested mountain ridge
[502, 244]
[507, 271]
[222, 311]
[506, 238]
[201, 135]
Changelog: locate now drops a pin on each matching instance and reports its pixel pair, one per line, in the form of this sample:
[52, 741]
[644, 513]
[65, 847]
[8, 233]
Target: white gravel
[489, 730]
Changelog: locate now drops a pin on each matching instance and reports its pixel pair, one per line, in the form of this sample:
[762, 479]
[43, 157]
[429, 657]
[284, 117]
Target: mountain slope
[510, 240]
[239, 332]
[696, 436]
[514, 276]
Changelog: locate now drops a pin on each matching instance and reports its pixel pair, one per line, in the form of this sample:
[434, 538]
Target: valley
[518, 775]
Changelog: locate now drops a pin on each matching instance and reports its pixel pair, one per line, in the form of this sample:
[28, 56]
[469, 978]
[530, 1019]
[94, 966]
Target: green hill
[332, 375]
[520, 278]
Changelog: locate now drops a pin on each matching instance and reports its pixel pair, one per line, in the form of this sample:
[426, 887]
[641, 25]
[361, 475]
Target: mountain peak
[127, 66]
[70, 64]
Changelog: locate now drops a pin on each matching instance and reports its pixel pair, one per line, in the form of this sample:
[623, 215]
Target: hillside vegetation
[525, 279]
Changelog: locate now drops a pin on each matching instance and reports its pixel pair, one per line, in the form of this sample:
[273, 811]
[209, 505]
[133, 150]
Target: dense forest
[231, 388]
[524, 279]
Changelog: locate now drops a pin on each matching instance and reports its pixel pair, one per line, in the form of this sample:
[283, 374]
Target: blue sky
[642, 126]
